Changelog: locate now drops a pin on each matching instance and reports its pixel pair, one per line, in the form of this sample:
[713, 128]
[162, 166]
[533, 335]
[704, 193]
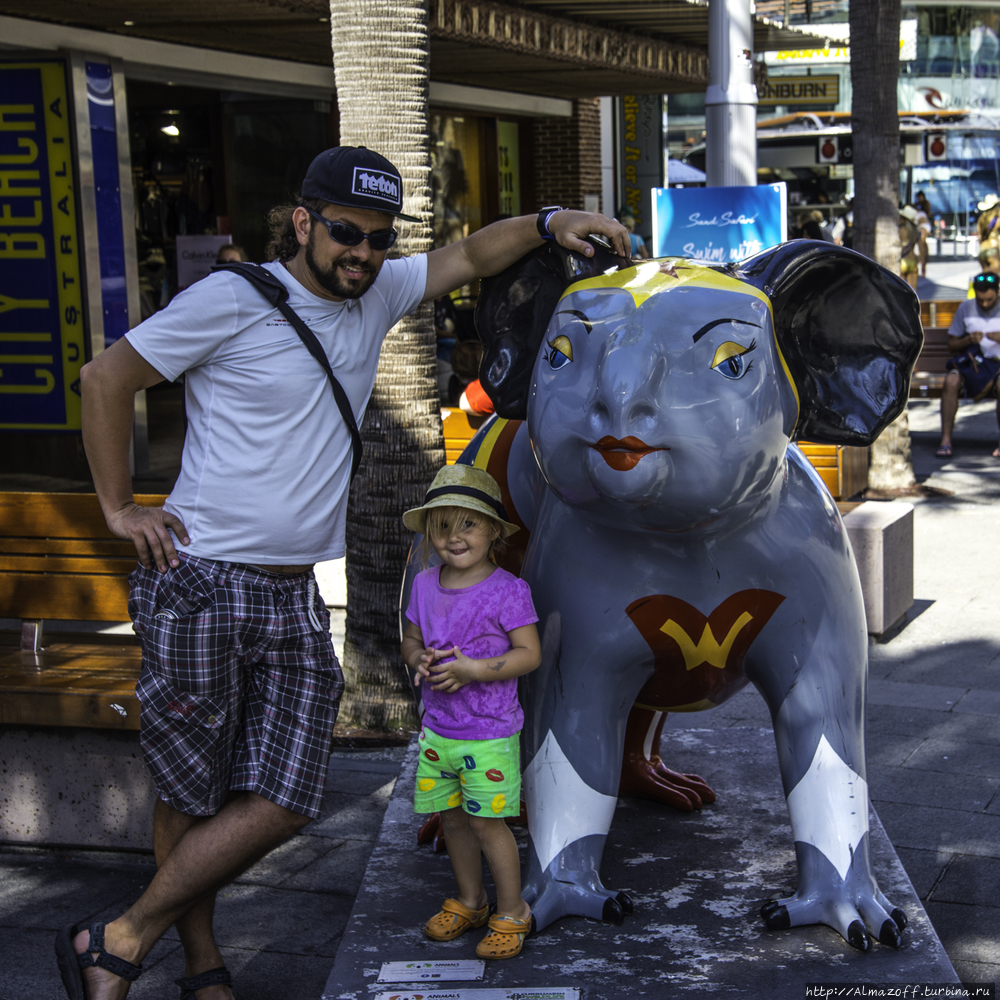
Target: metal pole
[731, 99]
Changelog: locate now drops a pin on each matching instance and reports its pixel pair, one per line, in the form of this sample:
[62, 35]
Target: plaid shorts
[239, 686]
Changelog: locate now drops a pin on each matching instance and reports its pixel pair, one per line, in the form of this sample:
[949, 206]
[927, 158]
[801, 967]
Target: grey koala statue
[679, 545]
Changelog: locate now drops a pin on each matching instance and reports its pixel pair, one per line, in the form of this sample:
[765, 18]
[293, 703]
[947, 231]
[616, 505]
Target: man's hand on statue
[454, 674]
[571, 228]
[146, 528]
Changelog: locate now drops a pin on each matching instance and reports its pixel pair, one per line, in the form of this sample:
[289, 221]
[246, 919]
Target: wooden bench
[939, 312]
[59, 562]
[843, 468]
[929, 370]
[459, 429]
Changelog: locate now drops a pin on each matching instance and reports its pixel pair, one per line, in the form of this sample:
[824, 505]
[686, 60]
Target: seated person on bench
[974, 338]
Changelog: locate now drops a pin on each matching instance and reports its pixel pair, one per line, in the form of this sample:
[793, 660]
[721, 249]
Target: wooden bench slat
[94, 566]
[56, 708]
[71, 684]
[82, 658]
[112, 678]
[59, 515]
[68, 547]
[73, 598]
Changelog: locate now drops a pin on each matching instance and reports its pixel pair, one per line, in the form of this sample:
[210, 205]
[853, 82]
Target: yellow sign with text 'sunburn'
[796, 90]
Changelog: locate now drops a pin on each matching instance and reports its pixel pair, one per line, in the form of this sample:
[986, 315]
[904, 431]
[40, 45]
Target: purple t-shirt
[477, 620]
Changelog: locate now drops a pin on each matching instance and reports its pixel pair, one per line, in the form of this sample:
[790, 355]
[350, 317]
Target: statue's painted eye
[560, 353]
[730, 359]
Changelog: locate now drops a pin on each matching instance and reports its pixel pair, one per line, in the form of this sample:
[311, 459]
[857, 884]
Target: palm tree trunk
[381, 62]
[875, 127]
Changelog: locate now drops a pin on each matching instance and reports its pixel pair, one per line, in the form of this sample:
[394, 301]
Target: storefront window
[206, 163]
[508, 163]
[957, 60]
[956, 41]
[269, 145]
[455, 177]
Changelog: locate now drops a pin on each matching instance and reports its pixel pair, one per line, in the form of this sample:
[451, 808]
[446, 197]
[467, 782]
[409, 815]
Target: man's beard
[330, 279]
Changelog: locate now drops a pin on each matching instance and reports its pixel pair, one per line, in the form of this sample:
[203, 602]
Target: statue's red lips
[625, 454]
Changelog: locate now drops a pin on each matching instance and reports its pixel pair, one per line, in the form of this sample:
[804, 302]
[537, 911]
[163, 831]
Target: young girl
[470, 634]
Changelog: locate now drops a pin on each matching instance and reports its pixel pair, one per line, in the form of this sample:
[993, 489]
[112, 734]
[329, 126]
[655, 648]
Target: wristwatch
[543, 220]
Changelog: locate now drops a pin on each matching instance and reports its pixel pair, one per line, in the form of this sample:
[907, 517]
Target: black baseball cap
[356, 177]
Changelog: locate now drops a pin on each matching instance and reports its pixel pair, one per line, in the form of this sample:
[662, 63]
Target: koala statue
[679, 545]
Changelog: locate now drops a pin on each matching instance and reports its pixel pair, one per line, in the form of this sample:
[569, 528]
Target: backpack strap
[277, 294]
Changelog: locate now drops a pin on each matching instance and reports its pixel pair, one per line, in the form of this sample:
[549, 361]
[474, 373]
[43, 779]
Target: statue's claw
[858, 919]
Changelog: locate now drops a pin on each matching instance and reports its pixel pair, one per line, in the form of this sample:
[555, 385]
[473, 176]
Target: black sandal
[214, 977]
[71, 963]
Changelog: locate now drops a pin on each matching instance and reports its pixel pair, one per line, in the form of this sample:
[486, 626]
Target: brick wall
[567, 157]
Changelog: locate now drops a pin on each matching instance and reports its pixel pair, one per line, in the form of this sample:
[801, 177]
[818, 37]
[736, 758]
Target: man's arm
[493, 248]
[108, 385]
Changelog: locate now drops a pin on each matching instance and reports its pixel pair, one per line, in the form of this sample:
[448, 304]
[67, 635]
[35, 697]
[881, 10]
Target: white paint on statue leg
[647, 745]
[562, 807]
[829, 807]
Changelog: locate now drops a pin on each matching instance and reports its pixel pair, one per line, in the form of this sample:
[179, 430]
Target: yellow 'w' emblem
[708, 649]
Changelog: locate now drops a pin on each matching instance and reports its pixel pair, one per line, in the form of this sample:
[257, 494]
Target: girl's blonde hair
[441, 522]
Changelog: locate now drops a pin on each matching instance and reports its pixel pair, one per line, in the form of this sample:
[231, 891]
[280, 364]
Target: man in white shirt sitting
[974, 339]
[240, 685]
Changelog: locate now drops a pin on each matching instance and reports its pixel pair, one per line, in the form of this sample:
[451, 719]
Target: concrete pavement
[278, 925]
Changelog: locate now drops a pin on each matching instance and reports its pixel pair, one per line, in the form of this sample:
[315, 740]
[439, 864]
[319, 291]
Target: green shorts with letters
[481, 776]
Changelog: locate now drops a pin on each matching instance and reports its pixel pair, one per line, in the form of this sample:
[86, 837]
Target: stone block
[881, 535]
[83, 787]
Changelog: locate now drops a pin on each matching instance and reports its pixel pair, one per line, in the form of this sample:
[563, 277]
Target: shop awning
[557, 48]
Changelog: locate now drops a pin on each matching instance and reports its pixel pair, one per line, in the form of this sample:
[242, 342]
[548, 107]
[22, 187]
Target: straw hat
[988, 202]
[461, 486]
[909, 213]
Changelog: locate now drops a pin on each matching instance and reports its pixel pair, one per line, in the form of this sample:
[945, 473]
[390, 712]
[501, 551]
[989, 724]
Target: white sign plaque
[462, 971]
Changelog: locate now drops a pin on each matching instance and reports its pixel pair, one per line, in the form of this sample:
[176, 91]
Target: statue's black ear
[849, 331]
[515, 307]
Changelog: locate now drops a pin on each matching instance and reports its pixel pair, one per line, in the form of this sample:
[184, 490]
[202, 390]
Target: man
[240, 685]
[974, 337]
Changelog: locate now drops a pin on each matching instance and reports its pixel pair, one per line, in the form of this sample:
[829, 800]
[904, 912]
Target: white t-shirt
[267, 455]
[969, 317]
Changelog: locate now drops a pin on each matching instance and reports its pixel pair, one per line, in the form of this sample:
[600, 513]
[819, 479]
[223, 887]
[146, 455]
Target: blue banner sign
[107, 195]
[719, 225]
[41, 304]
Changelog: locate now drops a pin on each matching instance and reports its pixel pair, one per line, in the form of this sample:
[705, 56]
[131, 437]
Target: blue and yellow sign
[41, 303]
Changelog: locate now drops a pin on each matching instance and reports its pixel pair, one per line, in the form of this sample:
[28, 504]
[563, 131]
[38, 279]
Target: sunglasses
[351, 236]
[985, 281]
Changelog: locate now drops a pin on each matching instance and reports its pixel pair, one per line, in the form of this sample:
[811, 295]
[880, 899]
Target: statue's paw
[552, 899]
[432, 832]
[654, 781]
[857, 918]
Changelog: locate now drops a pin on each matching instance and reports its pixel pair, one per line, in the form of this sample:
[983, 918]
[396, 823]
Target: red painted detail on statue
[698, 658]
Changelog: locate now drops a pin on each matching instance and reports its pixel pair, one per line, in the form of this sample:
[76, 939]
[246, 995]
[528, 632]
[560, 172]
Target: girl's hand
[455, 674]
[423, 664]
